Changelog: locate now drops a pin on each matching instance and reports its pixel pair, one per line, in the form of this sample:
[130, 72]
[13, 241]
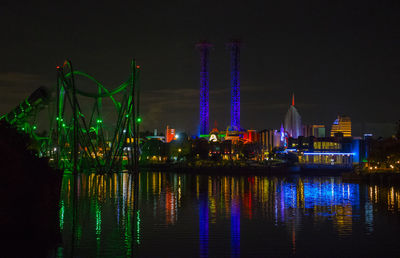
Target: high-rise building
[292, 122]
[169, 134]
[269, 139]
[314, 130]
[342, 124]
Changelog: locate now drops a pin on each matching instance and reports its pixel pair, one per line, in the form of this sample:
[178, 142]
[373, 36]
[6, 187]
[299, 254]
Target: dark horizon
[338, 58]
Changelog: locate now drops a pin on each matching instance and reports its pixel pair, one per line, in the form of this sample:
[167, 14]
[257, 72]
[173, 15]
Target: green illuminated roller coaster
[78, 139]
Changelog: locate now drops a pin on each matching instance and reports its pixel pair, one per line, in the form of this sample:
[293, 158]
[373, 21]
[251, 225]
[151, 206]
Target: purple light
[235, 227]
[203, 224]
[204, 48]
[329, 153]
[235, 84]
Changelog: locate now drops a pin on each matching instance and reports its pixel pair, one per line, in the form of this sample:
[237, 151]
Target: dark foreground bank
[29, 226]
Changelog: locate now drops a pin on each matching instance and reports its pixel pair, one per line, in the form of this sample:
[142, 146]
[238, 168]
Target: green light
[138, 227]
[139, 119]
[34, 127]
[99, 121]
[62, 215]
[126, 115]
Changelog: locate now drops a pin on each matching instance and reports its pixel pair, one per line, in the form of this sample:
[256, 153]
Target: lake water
[185, 215]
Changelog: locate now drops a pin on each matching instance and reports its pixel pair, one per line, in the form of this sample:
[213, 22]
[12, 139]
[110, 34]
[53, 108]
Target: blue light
[330, 193]
[235, 228]
[321, 194]
[204, 48]
[330, 153]
[235, 85]
[356, 150]
[203, 224]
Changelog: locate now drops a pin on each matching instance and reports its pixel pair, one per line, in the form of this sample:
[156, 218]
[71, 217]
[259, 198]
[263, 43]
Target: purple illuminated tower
[234, 47]
[204, 48]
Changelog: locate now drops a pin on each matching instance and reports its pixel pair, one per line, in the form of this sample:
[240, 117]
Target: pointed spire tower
[292, 122]
[293, 99]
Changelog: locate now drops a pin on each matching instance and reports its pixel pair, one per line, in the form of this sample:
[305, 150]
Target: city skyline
[334, 57]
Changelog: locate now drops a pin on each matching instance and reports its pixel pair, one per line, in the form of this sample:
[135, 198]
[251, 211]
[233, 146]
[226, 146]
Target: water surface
[185, 215]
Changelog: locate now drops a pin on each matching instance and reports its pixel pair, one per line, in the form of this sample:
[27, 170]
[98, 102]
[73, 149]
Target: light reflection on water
[169, 214]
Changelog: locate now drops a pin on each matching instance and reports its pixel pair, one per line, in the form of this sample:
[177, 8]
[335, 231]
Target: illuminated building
[292, 122]
[269, 139]
[314, 130]
[266, 139]
[342, 124]
[250, 136]
[327, 152]
[169, 134]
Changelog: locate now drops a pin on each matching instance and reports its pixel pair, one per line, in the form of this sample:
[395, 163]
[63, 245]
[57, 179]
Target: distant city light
[329, 153]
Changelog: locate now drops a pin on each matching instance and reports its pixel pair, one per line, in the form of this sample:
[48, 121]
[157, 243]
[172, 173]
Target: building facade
[342, 124]
[314, 130]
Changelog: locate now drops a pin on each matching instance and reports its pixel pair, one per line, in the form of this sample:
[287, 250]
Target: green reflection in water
[108, 212]
[138, 227]
[62, 210]
[98, 221]
[98, 227]
[128, 236]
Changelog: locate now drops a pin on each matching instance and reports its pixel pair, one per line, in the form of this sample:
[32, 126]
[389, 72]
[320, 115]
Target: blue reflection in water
[203, 223]
[298, 206]
[369, 217]
[319, 194]
[235, 228]
[330, 193]
[290, 195]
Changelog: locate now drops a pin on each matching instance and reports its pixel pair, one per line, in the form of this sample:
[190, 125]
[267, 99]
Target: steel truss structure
[204, 48]
[234, 47]
[77, 140]
[80, 141]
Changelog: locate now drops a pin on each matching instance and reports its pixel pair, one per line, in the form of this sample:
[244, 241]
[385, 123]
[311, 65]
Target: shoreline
[348, 175]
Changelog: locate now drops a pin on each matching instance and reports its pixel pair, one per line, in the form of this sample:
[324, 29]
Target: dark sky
[338, 57]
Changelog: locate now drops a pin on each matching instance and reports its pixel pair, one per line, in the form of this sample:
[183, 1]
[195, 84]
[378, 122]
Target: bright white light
[177, 136]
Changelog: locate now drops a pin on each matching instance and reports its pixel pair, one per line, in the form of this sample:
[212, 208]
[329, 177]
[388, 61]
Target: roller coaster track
[77, 141]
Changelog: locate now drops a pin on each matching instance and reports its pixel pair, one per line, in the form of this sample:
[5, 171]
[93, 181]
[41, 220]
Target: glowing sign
[213, 138]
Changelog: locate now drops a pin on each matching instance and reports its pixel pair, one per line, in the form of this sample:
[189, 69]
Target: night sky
[338, 57]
